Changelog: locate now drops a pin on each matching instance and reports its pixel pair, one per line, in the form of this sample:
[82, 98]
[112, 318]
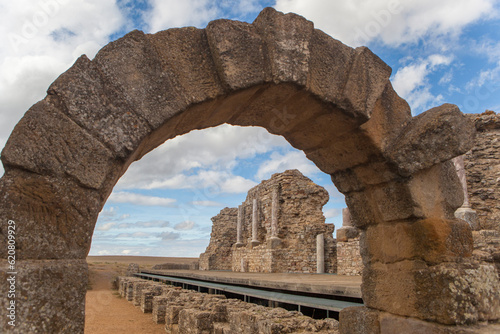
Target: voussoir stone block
[49, 296]
[287, 37]
[448, 293]
[185, 54]
[46, 141]
[54, 216]
[433, 192]
[431, 240]
[93, 102]
[367, 81]
[238, 53]
[329, 65]
[132, 65]
[435, 136]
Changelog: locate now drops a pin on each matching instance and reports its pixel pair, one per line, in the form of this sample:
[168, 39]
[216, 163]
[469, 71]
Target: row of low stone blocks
[186, 311]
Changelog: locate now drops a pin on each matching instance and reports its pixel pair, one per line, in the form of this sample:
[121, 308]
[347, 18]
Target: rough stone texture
[148, 294]
[430, 240]
[447, 293]
[138, 291]
[487, 247]
[349, 261]
[218, 255]
[482, 166]
[54, 216]
[177, 266]
[187, 311]
[390, 323]
[45, 137]
[300, 220]
[132, 269]
[359, 320]
[59, 284]
[430, 138]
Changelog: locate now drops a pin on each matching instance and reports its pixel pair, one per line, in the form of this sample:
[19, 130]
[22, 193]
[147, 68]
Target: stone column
[255, 224]
[239, 226]
[274, 241]
[320, 254]
[465, 212]
[274, 214]
[347, 231]
[346, 218]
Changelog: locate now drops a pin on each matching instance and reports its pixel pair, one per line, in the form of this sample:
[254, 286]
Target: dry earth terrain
[105, 311]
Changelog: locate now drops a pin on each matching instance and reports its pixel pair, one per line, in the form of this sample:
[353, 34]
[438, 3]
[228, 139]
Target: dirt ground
[105, 311]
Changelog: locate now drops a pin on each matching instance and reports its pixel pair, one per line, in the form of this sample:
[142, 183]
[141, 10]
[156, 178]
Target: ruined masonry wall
[218, 255]
[482, 166]
[349, 260]
[299, 220]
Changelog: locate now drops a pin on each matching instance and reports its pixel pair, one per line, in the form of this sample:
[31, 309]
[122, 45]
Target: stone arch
[331, 101]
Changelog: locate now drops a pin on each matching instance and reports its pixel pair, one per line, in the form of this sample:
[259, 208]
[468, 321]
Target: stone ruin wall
[218, 255]
[482, 165]
[299, 220]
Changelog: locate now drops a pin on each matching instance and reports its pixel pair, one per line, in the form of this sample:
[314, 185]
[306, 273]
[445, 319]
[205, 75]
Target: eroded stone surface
[447, 293]
[482, 165]
[434, 136]
[49, 296]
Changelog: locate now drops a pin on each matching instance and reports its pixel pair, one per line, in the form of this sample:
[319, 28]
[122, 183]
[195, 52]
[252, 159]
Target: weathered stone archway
[331, 101]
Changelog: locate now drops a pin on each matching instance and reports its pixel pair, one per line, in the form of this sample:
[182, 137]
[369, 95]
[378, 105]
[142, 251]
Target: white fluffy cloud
[211, 153]
[411, 81]
[41, 39]
[393, 22]
[281, 162]
[105, 227]
[138, 199]
[171, 13]
[185, 225]
[332, 213]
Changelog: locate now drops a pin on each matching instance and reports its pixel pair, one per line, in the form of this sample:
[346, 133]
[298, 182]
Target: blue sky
[440, 51]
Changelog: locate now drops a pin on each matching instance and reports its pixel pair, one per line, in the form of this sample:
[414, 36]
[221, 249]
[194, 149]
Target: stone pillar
[320, 254]
[255, 224]
[346, 218]
[274, 214]
[465, 212]
[239, 226]
[274, 241]
[347, 231]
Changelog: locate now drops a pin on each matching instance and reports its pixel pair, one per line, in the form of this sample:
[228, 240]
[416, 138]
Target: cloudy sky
[440, 51]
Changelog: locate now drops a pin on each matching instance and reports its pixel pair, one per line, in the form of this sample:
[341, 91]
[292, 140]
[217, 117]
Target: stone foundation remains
[186, 311]
[275, 230]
